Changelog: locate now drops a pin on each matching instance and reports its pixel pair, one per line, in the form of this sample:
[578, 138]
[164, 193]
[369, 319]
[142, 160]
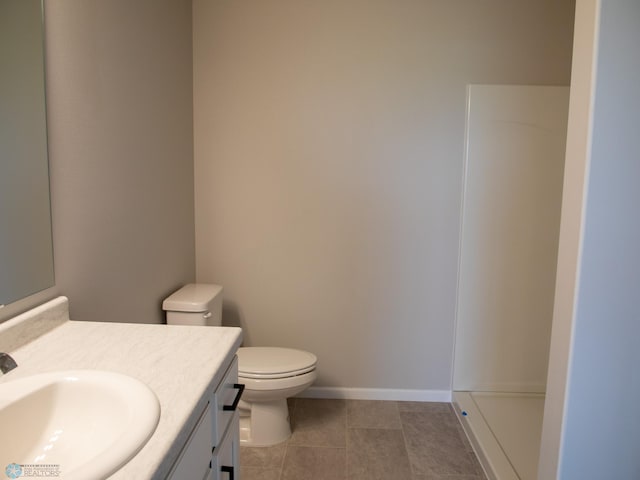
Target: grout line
[292, 415]
[404, 438]
[346, 441]
[284, 455]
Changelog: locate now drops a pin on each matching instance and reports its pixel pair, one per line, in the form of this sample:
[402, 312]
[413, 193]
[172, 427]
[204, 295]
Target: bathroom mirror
[26, 250]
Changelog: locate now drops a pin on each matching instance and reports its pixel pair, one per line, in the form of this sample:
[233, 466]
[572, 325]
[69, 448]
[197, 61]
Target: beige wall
[328, 163]
[119, 98]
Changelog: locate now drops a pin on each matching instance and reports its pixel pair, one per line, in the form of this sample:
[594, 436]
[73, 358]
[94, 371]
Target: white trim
[584, 70]
[492, 458]
[465, 165]
[514, 387]
[377, 394]
[583, 220]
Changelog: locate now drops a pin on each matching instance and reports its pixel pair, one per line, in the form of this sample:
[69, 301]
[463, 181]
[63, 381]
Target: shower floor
[505, 430]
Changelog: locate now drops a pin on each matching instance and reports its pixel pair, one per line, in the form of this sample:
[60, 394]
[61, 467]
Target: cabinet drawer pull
[228, 470]
[234, 405]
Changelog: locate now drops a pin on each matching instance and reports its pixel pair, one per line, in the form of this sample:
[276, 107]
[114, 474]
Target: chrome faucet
[7, 363]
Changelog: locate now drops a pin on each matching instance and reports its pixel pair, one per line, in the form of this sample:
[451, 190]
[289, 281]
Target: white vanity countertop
[181, 364]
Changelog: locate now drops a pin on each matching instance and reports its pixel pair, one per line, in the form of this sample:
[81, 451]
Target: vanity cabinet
[211, 452]
[224, 464]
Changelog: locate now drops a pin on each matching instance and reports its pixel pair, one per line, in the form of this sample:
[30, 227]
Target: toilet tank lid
[194, 297]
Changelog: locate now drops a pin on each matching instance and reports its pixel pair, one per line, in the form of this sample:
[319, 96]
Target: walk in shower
[514, 161]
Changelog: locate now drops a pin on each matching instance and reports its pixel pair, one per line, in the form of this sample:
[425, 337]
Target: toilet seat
[273, 362]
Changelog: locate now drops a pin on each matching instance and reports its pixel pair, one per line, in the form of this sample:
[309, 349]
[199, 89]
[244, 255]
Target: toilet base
[263, 424]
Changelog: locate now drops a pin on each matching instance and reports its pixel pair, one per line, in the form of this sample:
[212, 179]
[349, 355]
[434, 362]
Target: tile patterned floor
[366, 440]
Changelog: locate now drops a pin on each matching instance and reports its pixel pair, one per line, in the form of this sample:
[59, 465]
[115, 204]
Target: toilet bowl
[270, 374]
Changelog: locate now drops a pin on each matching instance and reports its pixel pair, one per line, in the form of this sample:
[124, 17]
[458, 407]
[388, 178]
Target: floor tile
[376, 454]
[446, 477]
[263, 456]
[425, 407]
[319, 423]
[259, 473]
[372, 414]
[364, 439]
[434, 445]
[314, 463]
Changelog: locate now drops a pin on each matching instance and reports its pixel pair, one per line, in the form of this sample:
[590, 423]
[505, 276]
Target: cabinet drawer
[226, 395]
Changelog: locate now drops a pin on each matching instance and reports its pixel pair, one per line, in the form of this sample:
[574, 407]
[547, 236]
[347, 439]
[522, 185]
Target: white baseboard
[377, 394]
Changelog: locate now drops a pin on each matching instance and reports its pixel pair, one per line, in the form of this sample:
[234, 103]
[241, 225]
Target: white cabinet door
[224, 465]
[212, 450]
[193, 463]
[224, 402]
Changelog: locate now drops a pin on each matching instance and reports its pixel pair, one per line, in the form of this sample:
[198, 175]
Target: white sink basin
[85, 423]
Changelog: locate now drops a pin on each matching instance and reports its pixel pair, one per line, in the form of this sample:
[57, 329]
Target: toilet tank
[195, 304]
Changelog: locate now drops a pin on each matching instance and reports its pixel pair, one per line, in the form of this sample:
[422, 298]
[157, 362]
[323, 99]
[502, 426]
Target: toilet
[270, 374]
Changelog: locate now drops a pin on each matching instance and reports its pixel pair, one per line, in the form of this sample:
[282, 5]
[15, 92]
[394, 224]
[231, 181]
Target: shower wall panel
[515, 149]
